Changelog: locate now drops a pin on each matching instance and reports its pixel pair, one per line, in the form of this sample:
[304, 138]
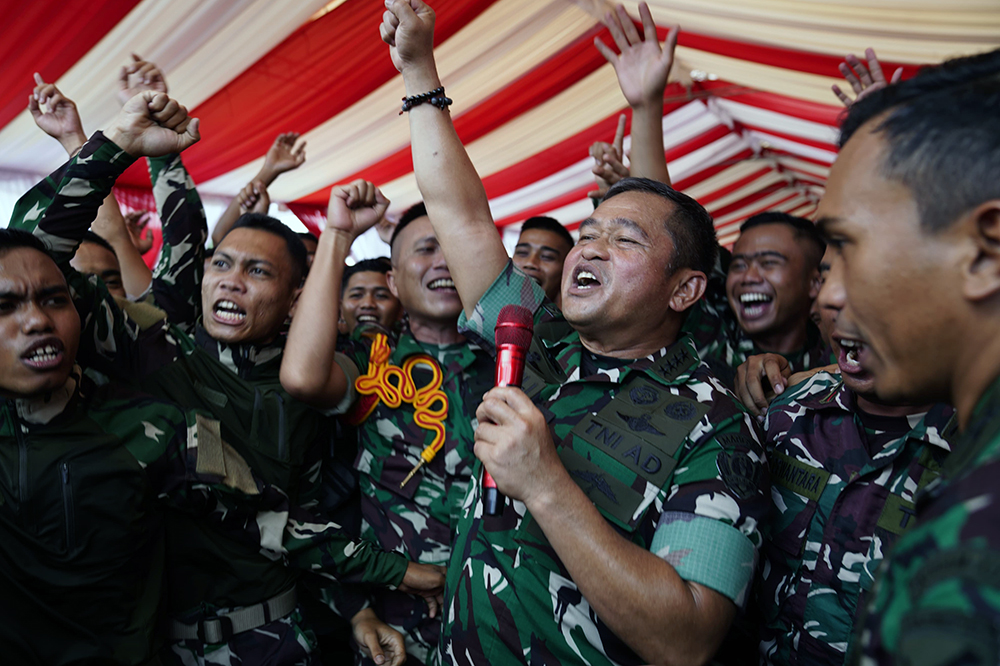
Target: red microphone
[513, 337]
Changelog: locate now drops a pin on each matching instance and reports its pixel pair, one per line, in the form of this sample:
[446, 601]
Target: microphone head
[515, 325]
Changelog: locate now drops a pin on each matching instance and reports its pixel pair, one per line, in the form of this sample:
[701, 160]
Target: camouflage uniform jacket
[84, 475]
[176, 285]
[176, 281]
[675, 466]
[238, 384]
[936, 599]
[420, 518]
[838, 510]
[724, 346]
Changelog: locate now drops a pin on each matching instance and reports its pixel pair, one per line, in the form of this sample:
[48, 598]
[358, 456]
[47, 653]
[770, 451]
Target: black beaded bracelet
[435, 97]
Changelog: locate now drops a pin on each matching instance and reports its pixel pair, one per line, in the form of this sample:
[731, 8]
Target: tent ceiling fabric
[749, 123]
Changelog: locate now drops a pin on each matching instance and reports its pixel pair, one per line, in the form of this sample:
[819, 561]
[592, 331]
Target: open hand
[355, 208]
[139, 76]
[427, 581]
[151, 125]
[864, 78]
[408, 28]
[284, 155]
[643, 64]
[59, 119]
[377, 640]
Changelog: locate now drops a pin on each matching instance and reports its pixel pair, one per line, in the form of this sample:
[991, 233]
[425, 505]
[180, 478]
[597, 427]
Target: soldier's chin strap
[394, 385]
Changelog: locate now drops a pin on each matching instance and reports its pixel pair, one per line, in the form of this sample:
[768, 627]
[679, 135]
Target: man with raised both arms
[228, 368]
[635, 481]
[88, 469]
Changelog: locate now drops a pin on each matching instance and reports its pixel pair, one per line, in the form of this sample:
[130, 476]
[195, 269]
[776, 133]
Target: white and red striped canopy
[749, 124]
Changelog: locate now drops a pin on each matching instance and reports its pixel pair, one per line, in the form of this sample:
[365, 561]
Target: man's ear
[390, 279]
[815, 284]
[982, 273]
[688, 288]
[295, 301]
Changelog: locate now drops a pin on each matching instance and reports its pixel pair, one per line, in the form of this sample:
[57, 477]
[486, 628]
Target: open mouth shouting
[228, 313]
[584, 279]
[754, 305]
[44, 355]
[850, 353]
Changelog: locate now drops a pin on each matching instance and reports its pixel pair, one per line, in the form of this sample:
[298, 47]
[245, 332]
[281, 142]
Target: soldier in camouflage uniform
[776, 259]
[761, 302]
[86, 472]
[845, 472]
[233, 377]
[912, 212]
[415, 458]
[635, 480]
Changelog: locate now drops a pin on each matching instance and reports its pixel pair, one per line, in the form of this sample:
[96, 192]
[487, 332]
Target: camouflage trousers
[284, 642]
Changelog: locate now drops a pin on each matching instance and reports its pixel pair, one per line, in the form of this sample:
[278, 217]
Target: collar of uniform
[983, 430]
[44, 409]
[669, 365]
[937, 426]
[407, 346]
[244, 360]
[834, 396]
[932, 427]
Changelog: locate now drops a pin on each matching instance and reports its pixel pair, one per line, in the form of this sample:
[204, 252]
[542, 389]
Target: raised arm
[61, 208]
[181, 264]
[57, 115]
[111, 226]
[453, 193]
[642, 68]
[309, 370]
[176, 282]
[285, 154]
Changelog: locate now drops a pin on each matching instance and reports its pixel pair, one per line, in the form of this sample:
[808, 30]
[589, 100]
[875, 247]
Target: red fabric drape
[137, 198]
[536, 86]
[48, 37]
[314, 217]
[318, 71]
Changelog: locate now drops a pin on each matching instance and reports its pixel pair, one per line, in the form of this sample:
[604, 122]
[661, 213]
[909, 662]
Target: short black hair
[296, 249]
[690, 226]
[377, 265]
[12, 239]
[91, 237]
[804, 230]
[307, 236]
[548, 224]
[942, 135]
[415, 211]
